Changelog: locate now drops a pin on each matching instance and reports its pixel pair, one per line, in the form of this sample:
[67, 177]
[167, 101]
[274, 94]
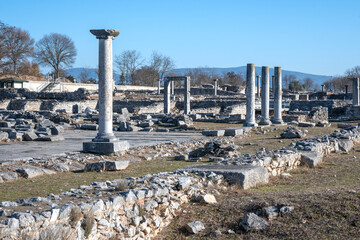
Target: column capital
[105, 33]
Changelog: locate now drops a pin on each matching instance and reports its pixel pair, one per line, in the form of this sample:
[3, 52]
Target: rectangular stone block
[234, 131]
[311, 158]
[213, 133]
[105, 147]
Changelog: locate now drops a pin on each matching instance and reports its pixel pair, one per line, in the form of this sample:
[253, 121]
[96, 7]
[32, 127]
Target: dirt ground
[326, 201]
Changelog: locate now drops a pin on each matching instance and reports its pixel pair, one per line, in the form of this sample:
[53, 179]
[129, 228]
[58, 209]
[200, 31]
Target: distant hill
[318, 79]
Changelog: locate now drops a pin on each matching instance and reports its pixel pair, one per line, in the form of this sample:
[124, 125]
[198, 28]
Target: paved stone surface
[75, 138]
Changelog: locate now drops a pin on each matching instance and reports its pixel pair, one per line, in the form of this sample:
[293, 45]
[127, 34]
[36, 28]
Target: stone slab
[105, 147]
[234, 131]
[246, 176]
[311, 158]
[213, 133]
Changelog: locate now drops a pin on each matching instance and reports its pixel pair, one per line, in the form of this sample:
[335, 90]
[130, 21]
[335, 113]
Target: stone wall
[204, 91]
[80, 94]
[332, 105]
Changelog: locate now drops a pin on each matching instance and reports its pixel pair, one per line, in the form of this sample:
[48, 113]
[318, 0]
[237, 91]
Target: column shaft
[250, 96]
[187, 95]
[258, 86]
[278, 97]
[167, 103]
[265, 96]
[356, 91]
[158, 86]
[215, 87]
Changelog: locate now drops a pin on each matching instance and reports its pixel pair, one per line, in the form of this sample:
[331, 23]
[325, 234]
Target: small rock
[253, 222]
[195, 227]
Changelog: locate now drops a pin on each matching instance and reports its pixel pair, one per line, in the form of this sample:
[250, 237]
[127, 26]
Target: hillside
[318, 79]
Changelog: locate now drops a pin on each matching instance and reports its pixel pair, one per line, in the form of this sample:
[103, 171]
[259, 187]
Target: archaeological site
[137, 149]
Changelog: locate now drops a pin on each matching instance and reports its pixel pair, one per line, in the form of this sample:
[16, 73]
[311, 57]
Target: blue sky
[318, 36]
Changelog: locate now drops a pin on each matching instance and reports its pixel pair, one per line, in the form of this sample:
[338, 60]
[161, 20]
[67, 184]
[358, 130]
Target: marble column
[187, 95]
[105, 142]
[273, 85]
[250, 96]
[172, 88]
[258, 86]
[167, 103]
[265, 96]
[158, 86]
[355, 91]
[215, 86]
[278, 97]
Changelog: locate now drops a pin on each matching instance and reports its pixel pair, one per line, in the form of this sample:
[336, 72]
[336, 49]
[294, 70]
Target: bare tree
[29, 68]
[308, 83]
[55, 50]
[287, 79]
[353, 72]
[128, 62]
[233, 79]
[17, 45]
[84, 75]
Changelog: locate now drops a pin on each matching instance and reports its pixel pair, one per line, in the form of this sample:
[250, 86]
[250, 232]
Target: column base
[250, 125]
[277, 122]
[265, 122]
[105, 147]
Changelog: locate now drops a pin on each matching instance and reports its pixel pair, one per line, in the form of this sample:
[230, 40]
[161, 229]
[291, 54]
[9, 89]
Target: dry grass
[326, 206]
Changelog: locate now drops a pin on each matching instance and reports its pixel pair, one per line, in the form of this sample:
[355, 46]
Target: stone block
[253, 222]
[30, 172]
[195, 227]
[61, 167]
[345, 145]
[162, 130]
[311, 158]
[105, 147]
[213, 133]
[16, 135]
[54, 138]
[4, 136]
[30, 136]
[246, 176]
[116, 165]
[306, 124]
[234, 131]
[56, 130]
[93, 127]
[9, 176]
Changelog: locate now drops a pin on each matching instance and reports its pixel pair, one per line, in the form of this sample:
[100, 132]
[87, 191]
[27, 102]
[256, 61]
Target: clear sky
[311, 36]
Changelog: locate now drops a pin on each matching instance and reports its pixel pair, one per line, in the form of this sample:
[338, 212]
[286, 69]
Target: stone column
[250, 96]
[273, 84]
[167, 103]
[215, 86]
[158, 86]
[265, 96]
[278, 97]
[187, 95]
[356, 99]
[172, 88]
[322, 87]
[105, 141]
[258, 86]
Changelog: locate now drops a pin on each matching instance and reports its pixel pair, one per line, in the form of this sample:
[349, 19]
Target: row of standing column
[265, 106]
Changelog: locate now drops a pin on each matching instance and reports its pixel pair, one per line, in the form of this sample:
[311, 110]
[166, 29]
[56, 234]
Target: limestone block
[311, 158]
[195, 227]
[30, 136]
[30, 172]
[234, 131]
[116, 165]
[345, 145]
[213, 133]
[51, 138]
[4, 136]
[306, 124]
[253, 222]
[9, 176]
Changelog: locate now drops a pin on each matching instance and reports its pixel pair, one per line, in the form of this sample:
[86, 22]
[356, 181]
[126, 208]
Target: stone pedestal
[258, 86]
[105, 142]
[278, 97]
[187, 96]
[356, 92]
[250, 96]
[265, 96]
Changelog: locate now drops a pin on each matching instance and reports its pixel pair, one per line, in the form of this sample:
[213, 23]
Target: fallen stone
[116, 165]
[61, 167]
[195, 227]
[9, 176]
[286, 209]
[30, 136]
[182, 157]
[162, 130]
[213, 133]
[4, 136]
[345, 145]
[253, 222]
[234, 132]
[93, 127]
[206, 198]
[292, 132]
[30, 172]
[246, 176]
[311, 158]
[306, 124]
[271, 212]
[56, 130]
[16, 135]
[345, 125]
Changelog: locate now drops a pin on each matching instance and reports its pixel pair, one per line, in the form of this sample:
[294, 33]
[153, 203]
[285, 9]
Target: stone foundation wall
[331, 105]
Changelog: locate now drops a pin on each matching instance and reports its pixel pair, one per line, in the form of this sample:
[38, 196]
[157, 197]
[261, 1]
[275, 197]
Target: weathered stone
[345, 125]
[4, 136]
[252, 222]
[25, 219]
[30, 136]
[271, 212]
[116, 165]
[9, 176]
[234, 132]
[346, 145]
[30, 172]
[195, 227]
[206, 198]
[61, 167]
[306, 124]
[16, 135]
[182, 157]
[129, 196]
[183, 183]
[54, 138]
[292, 132]
[311, 158]
[56, 130]
[286, 209]
[92, 127]
[213, 133]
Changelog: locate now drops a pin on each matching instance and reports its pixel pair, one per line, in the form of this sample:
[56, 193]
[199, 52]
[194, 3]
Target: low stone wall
[80, 94]
[332, 105]
[204, 91]
[138, 213]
